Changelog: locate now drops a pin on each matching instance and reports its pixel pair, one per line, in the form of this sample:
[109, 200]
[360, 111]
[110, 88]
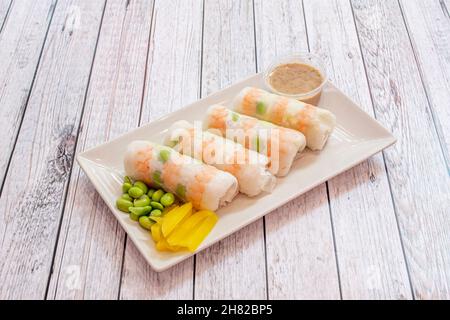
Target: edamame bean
[127, 179]
[156, 205]
[136, 212]
[156, 213]
[126, 196]
[155, 219]
[151, 192]
[141, 185]
[145, 222]
[126, 186]
[261, 108]
[142, 201]
[134, 216]
[164, 155]
[156, 176]
[135, 192]
[167, 199]
[181, 191]
[157, 195]
[123, 204]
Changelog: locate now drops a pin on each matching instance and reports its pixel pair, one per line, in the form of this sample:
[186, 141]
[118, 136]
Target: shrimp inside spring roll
[249, 167]
[315, 123]
[281, 145]
[205, 186]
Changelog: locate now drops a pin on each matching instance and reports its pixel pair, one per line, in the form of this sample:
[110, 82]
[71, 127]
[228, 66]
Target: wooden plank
[173, 77]
[416, 167]
[88, 261]
[445, 4]
[368, 244]
[236, 265]
[21, 42]
[4, 8]
[34, 189]
[300, 250]
[428, 24]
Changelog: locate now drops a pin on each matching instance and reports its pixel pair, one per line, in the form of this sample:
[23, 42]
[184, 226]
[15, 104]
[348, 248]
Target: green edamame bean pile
[143, 203]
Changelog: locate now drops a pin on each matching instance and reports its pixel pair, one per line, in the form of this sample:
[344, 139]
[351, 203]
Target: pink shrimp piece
[235, 164]
[279, 110]
[285, 137]
[249, 101]
[303, 118]
[170, 175]
[143, 164]
[217, 119]
[197, 187]
[269, 147]
[208, 150]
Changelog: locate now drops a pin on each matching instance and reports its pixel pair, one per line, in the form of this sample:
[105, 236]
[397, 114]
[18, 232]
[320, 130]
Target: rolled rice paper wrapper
[160, 166]
[315, 123]
[280, 144]
[249, 167]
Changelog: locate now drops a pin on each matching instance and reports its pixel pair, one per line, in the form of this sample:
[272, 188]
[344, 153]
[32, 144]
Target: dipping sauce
[296, 78]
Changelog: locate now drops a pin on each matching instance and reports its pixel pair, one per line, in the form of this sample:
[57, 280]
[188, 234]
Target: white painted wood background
[77, 73]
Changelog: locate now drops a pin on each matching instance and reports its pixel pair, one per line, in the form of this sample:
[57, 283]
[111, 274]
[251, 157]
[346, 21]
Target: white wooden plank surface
[88, 261]
[428, 23]
[34, 189]
[235, 267]
[173, 77]
[408, 87]
[445, 4]
[300, 251]
[416, 167]
[21, 42]
[370, 256]
[4, 7]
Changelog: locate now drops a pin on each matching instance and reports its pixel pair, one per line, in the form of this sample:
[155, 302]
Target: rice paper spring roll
[280, 144]
[205, 186]
[315, 123]
[249, 167]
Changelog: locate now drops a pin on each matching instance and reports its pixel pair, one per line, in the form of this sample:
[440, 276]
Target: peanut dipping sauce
[296, 78]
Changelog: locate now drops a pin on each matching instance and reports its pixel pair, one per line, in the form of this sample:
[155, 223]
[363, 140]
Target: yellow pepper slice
[193, 240]
[182, 231]
[174, 217]
[162, 245]
[156, 219]
[168, 209]
[179, 229]
[156, 231]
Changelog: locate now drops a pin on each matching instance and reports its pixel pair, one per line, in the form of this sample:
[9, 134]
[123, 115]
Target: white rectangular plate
[356, 137]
